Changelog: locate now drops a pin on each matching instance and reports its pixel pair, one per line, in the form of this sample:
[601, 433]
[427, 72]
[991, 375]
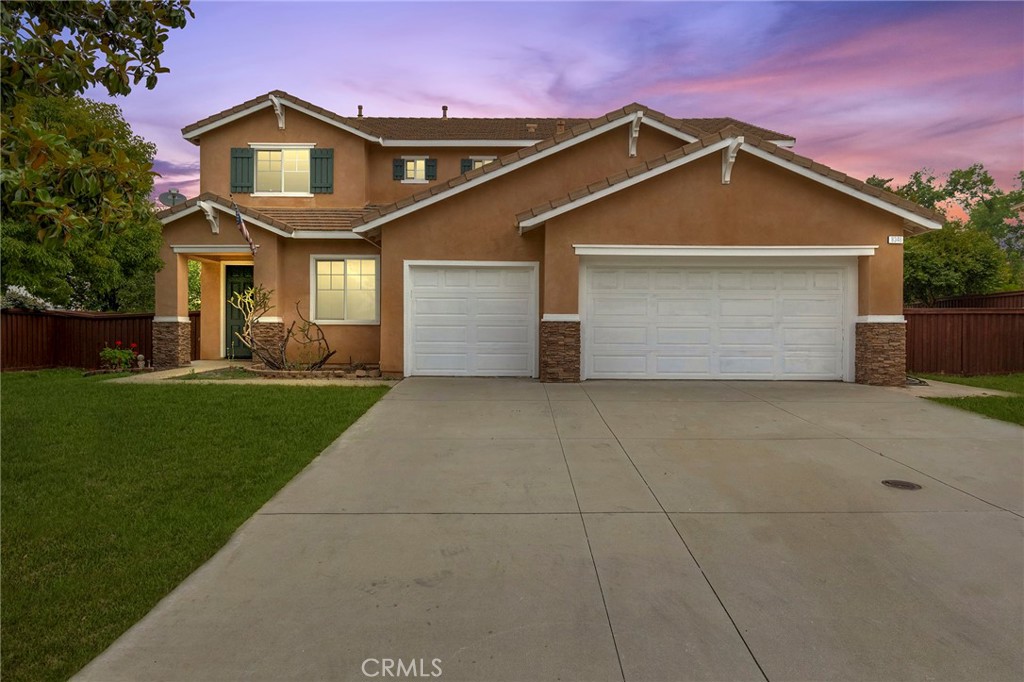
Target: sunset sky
[868, 88]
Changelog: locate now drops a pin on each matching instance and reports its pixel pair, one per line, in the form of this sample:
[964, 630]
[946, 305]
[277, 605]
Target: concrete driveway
[619, 530]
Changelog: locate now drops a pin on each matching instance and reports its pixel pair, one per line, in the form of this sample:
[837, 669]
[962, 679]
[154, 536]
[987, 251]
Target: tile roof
[285, 219]
[498, 163]
[748, 139]
[437, 128]
[316, 218]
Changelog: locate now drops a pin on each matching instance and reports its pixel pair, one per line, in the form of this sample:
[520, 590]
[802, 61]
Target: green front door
[237, 278]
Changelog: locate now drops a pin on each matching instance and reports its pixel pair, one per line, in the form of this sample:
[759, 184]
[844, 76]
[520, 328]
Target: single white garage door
[715, 322]
[471, 320]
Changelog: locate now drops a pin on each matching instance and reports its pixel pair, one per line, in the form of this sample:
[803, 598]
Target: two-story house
[634, 245]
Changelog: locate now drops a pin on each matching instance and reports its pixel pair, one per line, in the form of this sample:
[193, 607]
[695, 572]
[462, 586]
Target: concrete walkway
[619, 531]
[201, 366]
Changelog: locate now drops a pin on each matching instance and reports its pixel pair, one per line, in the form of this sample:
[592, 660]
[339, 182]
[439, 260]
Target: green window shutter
[242, 169]
[466, 165]
[431, 169]
[398, 169]
[321, 171]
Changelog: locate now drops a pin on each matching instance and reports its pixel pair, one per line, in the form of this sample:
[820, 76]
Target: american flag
[243, 229]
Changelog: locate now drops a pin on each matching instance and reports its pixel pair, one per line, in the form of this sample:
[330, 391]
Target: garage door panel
[682, 366]
[730, 322]
[810, 366]
[455, 363]
[682, 307]
[472, 320]
[621, 365]
[621, 306]
[668, 336]
[795, 337]
[621, 335]
[503, 334]
[441, 334]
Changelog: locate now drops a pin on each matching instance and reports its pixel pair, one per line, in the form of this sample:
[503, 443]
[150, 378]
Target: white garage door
[471, 320]
[717, 323]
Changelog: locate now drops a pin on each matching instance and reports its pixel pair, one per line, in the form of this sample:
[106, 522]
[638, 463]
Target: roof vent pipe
[444, 111]
[360, 114]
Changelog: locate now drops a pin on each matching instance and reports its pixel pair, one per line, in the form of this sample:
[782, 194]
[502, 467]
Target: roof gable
[730, 138]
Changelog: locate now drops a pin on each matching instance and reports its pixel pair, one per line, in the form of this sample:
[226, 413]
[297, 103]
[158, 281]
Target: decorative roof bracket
[634, 132]
[729, 158]
[211, 216]
[278, 110]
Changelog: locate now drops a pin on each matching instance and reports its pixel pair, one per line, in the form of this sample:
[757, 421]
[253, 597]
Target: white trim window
[345, 289]
[282, 172]
[478, 161]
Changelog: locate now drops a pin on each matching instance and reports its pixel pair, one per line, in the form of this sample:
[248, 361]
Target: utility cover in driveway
[476, 320]
[675, 322]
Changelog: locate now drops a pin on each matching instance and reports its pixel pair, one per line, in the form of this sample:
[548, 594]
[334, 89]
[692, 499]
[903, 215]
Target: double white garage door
[646, 322]
[714, 323]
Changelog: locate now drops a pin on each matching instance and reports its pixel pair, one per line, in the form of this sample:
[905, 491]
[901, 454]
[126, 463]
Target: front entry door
[237, 278]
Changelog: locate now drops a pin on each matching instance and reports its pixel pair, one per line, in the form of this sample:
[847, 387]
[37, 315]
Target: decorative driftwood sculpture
[314, 350]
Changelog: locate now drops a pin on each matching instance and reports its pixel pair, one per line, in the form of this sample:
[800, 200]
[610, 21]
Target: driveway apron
[503, 529]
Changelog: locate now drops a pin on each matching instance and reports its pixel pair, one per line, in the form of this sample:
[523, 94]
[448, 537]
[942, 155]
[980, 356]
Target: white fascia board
[844, 188]
[881, 319]
[783, 143]
[530, 223]
[227, 119]
[209, 248]
[331, 121]
[326, 234]
[722, 251]
[658, 125]
[486, 177]
[458, 143]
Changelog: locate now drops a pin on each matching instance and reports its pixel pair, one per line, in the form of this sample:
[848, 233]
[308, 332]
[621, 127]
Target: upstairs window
[414, 169]
[282, 170]
[474, 162]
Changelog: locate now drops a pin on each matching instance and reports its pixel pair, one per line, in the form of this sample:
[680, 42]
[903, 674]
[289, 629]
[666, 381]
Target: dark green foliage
[108, 265]
[981, 247]
[62, 177]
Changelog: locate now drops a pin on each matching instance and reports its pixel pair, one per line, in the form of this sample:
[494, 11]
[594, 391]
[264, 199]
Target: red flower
[117, 343]
[134, 345]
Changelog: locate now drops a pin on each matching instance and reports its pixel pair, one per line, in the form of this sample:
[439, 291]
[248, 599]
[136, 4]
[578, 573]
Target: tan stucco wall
[479, 224]
[361, 343]
[261, 126]
[763, 206]
[383, 189]
[281, 264]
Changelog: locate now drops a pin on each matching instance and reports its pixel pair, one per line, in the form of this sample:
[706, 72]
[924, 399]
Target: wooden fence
[965, 340]
[60, 338]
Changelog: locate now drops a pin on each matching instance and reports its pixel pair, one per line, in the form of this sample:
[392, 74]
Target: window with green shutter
[321, 167]
[414, 169]
[465, 165]
[242, 169]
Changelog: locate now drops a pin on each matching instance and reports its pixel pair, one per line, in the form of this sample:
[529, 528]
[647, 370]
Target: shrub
[119, 357]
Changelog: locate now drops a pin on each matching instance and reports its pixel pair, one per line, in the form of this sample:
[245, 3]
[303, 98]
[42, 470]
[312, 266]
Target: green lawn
[1009, 409]
[113, 493]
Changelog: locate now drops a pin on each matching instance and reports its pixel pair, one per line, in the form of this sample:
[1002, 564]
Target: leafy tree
[99, 269]
[59, 49]
[953, 261]
[195, 273]
[980, 248]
